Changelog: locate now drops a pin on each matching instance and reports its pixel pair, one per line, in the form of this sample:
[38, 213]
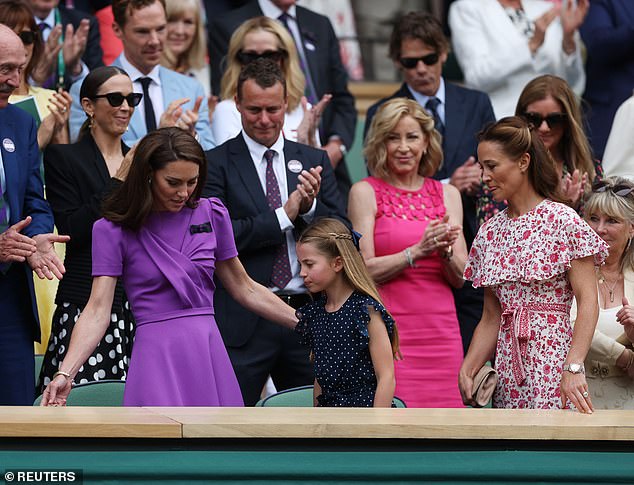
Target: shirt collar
[49, 20]
[422, 99]
[257, 149]
[269, 9]
[134, 73]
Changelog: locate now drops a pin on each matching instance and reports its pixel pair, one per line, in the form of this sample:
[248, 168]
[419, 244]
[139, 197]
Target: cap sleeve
[108, 248]
[305, 316]
[365, 304]
[221, 222]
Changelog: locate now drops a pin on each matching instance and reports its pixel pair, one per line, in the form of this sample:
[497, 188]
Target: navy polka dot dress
[340, 343]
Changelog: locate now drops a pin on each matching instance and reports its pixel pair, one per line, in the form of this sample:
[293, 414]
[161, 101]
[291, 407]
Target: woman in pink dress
[531, 258]
[417, 252]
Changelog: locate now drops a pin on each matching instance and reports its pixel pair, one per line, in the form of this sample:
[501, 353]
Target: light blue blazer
[174, 86]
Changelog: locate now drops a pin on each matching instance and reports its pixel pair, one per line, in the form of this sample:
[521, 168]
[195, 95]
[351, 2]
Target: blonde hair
[616, 206]
[385, 121]
[195, 56]
[333, 239]
[295, 79]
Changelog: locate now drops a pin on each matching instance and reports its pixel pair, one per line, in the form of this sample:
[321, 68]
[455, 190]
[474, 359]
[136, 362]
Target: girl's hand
[56, 392]
[574, 388]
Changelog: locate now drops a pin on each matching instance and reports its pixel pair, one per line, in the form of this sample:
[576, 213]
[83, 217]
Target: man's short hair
[265, 72]
[417, 25]
[122, 9]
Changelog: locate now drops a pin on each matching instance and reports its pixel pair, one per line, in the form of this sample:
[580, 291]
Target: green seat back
[107, 393]
[300, 397]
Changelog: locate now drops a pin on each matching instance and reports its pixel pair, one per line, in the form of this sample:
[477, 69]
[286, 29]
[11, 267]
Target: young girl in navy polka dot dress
[352, 336]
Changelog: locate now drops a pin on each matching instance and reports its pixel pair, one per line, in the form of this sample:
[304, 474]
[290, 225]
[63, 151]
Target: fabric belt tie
[516, 321]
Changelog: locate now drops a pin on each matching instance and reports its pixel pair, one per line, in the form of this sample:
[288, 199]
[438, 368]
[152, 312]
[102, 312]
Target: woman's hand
[126, 163]
[56, 393]
[310, 122]
[573, 187]
[465, 384]
[44, 68]
[438, 236]
[625, 316]
[541, 25]
[574, 388]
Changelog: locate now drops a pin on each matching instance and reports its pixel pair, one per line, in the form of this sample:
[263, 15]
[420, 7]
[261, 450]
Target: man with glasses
[419, 49]
[168, 97]
[26, 223]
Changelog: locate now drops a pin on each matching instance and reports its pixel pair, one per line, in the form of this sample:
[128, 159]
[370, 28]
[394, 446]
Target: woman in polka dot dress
[78, 177]
[352, 336]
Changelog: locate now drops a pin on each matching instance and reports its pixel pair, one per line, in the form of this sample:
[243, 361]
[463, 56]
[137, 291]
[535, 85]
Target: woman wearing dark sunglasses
[78, 178]
[265, 37]
[552, 110]
[609, 210]
[54, 108]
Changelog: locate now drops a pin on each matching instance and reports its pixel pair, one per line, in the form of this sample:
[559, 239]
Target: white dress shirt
[156, 93]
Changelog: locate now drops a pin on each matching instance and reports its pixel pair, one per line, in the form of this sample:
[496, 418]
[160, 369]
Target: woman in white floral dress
[532, 258]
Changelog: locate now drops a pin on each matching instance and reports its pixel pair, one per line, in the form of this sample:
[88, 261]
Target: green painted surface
[517, 467]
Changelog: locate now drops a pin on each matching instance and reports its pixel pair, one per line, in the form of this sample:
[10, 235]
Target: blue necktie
[150, 117]
[432, 107]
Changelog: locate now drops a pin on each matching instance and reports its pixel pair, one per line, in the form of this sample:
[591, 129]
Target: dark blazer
[324, 62]
[608, 34]
[467, 111]
[77, 180]
[93, 55]
[25, 193]
[232, 177]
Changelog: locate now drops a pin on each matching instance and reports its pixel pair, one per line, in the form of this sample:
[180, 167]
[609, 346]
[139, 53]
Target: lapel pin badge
[295, 166]
[8, 145]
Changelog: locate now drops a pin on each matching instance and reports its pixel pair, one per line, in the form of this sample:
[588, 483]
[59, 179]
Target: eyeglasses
[622, 190]
[552, 119]
[246, 57]
[27, 37]
[116, 99]
[412, 62]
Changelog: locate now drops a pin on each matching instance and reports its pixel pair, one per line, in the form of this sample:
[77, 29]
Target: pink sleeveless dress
[419, 299]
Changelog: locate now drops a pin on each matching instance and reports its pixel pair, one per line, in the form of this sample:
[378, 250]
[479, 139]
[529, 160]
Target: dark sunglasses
[412, 62]
[245, 57]
[552, 119]
[27, 37]
[116, 99]
[621, 190]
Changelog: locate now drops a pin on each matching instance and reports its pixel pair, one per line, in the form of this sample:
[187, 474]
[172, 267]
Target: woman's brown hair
[14, 13]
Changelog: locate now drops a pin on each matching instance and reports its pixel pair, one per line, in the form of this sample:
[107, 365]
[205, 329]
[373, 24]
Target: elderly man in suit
[419, 49]
[26, 223]
[141, 26]
[318, 48]
[272, 188]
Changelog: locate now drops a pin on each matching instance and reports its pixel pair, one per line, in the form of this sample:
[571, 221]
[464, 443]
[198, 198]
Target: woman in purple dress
[166, 244]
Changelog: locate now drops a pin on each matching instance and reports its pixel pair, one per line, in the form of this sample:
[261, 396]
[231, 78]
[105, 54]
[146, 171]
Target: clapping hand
[625, 316]
[16, 247]
[573, 187]
[467, 177]
[74, 45]
[541, 25]
[307, 129]
[45, 261]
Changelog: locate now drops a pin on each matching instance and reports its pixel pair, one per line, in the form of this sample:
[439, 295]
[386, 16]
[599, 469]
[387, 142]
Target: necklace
[611, 288]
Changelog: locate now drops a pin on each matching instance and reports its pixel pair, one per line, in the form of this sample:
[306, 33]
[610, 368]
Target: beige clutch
[484, 384]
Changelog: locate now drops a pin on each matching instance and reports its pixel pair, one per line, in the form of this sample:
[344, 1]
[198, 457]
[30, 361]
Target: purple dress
[167, 268]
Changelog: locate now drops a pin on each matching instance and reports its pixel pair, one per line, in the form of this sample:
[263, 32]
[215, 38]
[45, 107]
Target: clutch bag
[484, 384]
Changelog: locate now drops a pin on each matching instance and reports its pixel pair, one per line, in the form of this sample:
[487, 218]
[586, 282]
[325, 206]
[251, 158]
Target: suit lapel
[309, 38]
[292, 152]
[239, 155]
[455, 118]
[98, 161]
[10, 163]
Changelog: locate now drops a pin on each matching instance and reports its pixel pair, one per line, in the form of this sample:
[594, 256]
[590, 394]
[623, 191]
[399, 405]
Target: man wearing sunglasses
[26, 224]
[419, 48]
[141, 26]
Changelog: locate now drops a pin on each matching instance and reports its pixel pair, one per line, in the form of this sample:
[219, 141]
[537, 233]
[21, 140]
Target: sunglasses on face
[27, 37]
[116, 99]
[412, 62]
[552, 119]
[245, 57]
[621, 190]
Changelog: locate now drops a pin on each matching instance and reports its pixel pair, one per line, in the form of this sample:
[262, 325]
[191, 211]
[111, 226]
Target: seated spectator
[185, 45]
[609, 365]
[414, 248]
[503, 44]
[619, 151]
[553, 111]
[265, 37]
[54, 108]
[79, 176]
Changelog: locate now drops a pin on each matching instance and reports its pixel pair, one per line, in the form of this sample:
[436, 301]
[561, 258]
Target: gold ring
[63, 110]
[312, 192]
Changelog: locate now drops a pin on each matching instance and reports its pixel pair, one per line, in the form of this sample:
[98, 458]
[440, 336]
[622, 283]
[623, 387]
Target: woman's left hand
[59, 107]
[625, 316]
[189, 118]
[573, 187]
[572, 15]
[574, 388]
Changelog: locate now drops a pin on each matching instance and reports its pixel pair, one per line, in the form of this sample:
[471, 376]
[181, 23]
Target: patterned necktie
[150, 117]
[281, 266]
[309, 91]
[432, 107]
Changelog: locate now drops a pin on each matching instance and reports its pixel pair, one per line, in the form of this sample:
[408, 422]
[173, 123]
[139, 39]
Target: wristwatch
[343, 149]
[574, 368]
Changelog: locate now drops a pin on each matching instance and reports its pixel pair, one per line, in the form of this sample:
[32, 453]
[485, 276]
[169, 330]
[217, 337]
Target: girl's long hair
[332, 238]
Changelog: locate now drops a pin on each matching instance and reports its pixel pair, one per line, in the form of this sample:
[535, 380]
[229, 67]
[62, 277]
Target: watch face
[575, 368]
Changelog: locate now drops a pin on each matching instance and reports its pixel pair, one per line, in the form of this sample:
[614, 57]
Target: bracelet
[408, 258]
[447, 255]
[65, 374]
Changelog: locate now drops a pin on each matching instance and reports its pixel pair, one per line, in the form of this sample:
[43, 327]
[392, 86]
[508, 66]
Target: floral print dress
[525, 261]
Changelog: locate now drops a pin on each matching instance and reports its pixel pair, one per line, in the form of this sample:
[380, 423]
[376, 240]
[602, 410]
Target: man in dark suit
[419, 49]
[272, 188]
[25, 226]
[82, 44]
[318, 49]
